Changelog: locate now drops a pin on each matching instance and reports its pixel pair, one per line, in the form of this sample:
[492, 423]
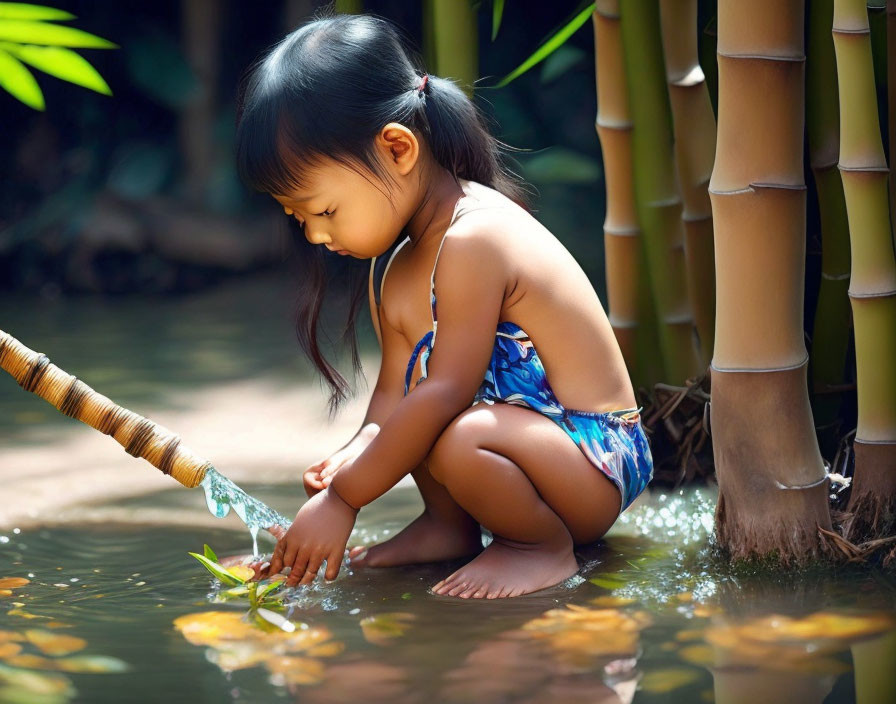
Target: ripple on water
[651, 608]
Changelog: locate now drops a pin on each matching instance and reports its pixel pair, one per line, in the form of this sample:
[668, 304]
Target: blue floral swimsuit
[613, 441]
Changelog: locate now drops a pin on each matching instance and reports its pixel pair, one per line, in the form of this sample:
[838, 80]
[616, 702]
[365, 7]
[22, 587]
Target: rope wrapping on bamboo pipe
[139, 436]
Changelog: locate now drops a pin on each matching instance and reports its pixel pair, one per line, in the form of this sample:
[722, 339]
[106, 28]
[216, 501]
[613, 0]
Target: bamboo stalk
[766, 454]
[891, 109]
[872, 289]
[694, 127]
[630, 310]
[139, 436]
[452, 41]
[830, 334]
[657, 200]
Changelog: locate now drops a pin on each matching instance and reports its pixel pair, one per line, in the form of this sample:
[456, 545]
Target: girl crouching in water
[491, 333]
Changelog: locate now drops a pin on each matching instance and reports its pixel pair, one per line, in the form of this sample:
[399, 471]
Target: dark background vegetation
[100, 195]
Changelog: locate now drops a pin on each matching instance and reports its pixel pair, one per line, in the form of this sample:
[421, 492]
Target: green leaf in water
[609, 581]
[219, 572]
[406, 596]
[268, 588]
[209, 553]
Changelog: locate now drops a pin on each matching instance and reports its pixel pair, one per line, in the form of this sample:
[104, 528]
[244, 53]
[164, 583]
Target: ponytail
[460, 142]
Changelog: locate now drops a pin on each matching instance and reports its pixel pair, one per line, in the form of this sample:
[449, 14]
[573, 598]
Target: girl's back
[547, 294]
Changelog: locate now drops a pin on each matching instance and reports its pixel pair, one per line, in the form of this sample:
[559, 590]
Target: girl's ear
[400, 147]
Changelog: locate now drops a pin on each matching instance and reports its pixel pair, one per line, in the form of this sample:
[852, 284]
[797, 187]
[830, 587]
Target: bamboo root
[139, 436]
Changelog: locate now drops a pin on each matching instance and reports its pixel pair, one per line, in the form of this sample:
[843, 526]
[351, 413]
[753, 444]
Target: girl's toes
[471, 592]
[460, 587]
[481, 592]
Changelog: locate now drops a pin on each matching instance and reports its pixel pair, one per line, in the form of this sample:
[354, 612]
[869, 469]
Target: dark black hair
[324, 92]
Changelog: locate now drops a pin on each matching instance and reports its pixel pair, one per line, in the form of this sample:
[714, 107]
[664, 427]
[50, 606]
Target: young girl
[491, 333]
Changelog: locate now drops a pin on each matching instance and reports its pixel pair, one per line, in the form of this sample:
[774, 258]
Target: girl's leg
[518, 474]
[444, 531]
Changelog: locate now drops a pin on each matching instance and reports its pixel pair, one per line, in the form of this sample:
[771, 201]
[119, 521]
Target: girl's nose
[316, 237]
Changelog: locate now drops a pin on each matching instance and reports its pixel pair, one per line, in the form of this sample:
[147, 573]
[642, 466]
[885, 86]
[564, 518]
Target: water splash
[221, 495]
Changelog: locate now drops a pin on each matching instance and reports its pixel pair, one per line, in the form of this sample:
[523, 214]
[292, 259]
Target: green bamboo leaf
[62, 63]
[268, 588]
[24, 11]
[18, 81]
[549, 46]
[209, 553]
[25, 32]
[497, 13]
[221, 573]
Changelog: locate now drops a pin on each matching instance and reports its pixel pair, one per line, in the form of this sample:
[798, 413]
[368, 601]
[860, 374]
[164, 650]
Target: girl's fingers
[313, 479]
[290, 553]
[277, 558]
[334, 562]
[299, 564]
[311, 570]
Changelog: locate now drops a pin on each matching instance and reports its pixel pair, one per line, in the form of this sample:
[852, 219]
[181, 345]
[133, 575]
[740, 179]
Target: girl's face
[347, 211]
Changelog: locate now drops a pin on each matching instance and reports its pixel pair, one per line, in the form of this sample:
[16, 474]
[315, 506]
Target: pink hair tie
[423, 83]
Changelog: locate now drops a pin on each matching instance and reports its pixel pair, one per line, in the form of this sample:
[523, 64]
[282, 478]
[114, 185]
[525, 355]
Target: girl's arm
[473, 273]
[387, 392]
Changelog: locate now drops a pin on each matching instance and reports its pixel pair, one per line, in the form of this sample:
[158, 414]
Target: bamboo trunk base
[872, 504]
[773, 492]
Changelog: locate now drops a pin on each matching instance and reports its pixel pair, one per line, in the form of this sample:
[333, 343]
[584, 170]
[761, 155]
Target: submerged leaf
[13, 582]
[292, 670]
[668, 679]
[96, 664]
[381, 629]
[9, 649]
[51, 643]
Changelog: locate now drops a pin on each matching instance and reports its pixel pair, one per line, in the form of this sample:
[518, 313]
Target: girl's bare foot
[509, 568]
[426, 539]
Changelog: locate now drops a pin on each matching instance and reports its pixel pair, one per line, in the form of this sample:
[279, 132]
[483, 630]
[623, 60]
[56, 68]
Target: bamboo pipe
[694, 128]
[830, 334]
[139, 436]
[629, 303]
[657, 198]
[872, 289]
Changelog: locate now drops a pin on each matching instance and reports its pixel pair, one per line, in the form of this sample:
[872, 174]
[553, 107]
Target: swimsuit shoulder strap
[432, 278]
[379, 267]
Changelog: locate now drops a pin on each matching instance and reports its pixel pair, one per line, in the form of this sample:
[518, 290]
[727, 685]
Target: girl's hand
[318, 476]
[319, 532]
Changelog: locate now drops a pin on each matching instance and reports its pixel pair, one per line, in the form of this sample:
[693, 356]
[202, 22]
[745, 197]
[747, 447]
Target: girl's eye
[325, 213]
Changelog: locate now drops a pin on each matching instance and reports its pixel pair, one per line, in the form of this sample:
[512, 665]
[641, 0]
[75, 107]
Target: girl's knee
[453, 446]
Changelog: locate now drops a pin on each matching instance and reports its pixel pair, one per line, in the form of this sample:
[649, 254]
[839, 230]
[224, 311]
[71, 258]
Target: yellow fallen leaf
[611, 601]
[51, 643]
[32, 662]
[243, 572]
[9, 649]
[668, 679]
[10, 635]
[5, 592]
[93, 664]
[382, 629]
[13, 582]
[689, 634]
[697, 655]
[326, 650]
[292, 670]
